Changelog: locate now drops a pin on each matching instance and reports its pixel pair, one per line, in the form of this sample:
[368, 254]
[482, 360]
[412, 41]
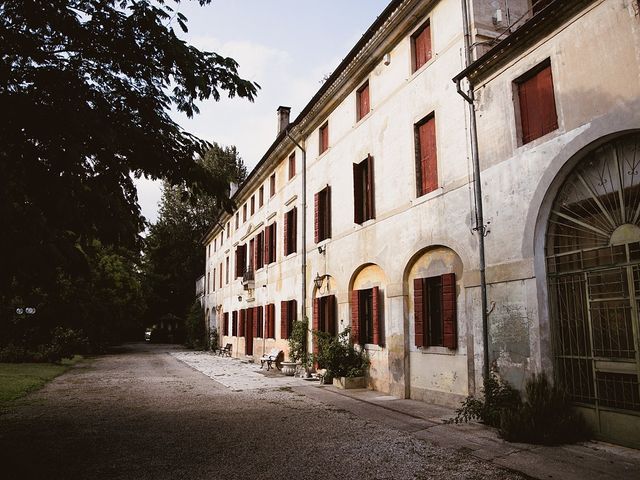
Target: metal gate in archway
[593, 265]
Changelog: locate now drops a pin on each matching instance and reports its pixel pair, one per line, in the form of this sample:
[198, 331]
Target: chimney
[283, 118]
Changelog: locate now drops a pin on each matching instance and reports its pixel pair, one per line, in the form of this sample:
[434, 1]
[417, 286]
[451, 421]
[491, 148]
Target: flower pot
[349, 382]
[288, 368]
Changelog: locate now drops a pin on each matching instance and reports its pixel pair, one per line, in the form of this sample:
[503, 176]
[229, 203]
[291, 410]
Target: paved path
[139, 413]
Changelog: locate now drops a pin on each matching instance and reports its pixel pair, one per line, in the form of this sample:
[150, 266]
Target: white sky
[286, 46]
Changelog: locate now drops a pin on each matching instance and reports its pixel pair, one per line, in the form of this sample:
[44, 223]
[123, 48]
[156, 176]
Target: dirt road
[139, 413]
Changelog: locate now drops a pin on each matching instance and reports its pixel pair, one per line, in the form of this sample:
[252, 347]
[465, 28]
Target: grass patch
[18, 379]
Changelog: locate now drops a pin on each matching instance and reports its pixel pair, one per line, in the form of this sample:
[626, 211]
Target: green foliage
[546, 416]
[195, 328]
[173, 254]
[65, 344]
[338, 355]
[90, 85]
[298, 342]
[214, 339]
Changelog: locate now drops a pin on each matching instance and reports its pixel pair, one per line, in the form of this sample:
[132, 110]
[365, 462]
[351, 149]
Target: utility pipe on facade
[477, 188]
[304, 224]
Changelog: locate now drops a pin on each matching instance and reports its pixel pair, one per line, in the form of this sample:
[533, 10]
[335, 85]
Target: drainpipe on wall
[304, 224]
[477, 189]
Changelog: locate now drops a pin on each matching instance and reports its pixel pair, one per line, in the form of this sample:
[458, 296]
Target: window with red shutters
[322, 207]
[426, 158]
[241, 259]
[249, 331]
[258, 322]
[253, 204]
[366, 313]
[323, 141]
[538, 115]
[241, 323]
[244, 213]
[272, 185]
[290, 231]
[228, 229]
[227, 271]
[269, 253]
[435, 314]
[213, 280]
[259, 251]
[225, 323]
[421, 46]
[362, 96]
[261, 197]
[220, 273]
[324, 314]
[287, 316]
[363, 191]
[234, 324]
[270, 320]
[292, 165]
[237, 220]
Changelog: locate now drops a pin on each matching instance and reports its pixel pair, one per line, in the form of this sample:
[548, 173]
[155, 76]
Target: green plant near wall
[298, 342]
[339, 356]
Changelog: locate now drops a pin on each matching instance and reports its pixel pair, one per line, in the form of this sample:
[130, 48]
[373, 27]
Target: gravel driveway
[140, 413]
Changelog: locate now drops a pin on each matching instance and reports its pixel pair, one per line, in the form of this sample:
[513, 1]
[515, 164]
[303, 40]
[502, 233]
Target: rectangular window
[538, 115]
[241, 321]
[272, 185]
[228, 229]
[241, 259]
[426, 158]
[252, 254]
[253, 204]
[287, 317]
[323, 138]
[213, 280]
[261, 197]
[259, 251]
[225, 323]
[322, 225]
[234, 324]
[290, 228]
[366, 318]
[421, 46]
[362, 96]
[292, 165]
[208, 250]
[220, 272]
[270, 244]
[226, 272]
[208, 282]
[434, 301]
[215, 245]
[237, 220]
[258, 330]
[244, 213]
[363, 191]
[270, 320]
[324, 314]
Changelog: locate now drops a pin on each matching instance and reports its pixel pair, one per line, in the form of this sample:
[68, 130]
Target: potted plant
[343, 363]
[297, 347]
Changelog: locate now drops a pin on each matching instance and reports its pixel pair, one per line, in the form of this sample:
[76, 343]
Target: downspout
[304, 224]
[477, 188]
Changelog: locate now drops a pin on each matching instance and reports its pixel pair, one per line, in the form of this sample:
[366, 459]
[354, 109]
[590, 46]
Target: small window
[366, 321]
[270, 244]
[261, 197]
[324, 138]
[259, 252]
[287, 317]
[244, 213]
[292, 165]
[253, 204]
[241, 260]
[362, 96]
[270, 320]
[272, 185]
[237, 220]
[322, 226]
[290, 228]
[537, 103]
[421, 46]
[435, 311]
[363, 191]
[426, 158]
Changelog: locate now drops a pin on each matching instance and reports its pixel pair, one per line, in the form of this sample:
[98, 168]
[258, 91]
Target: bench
[274, 357]
[225, 351]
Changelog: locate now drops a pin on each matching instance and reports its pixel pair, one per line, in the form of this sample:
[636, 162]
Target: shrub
[65, 343]
[214, 340]
[195, 328]
[298, 342]
[338, 355]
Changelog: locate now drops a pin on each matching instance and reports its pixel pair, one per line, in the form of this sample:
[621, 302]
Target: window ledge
[372, 347]
[423, 67]
[428, 196]
[363, 119]
[436, 351]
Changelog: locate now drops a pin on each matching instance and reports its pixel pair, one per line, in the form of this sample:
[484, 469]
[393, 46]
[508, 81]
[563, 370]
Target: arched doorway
[593, 269]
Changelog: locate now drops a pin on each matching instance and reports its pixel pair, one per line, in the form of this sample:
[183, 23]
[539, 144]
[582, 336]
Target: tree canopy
[86, 87]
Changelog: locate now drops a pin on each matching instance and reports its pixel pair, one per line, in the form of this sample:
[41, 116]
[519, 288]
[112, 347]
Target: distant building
[375, 227]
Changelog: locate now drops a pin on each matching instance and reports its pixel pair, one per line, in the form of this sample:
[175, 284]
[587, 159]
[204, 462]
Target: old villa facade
[363, 212]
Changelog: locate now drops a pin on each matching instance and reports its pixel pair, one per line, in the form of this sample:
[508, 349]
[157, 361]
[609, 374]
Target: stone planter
[349, 382]
[288, 368]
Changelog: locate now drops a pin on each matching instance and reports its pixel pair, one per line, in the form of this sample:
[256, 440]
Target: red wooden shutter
[422, 47]
[371, 197]
[331, 316]
[316, 223]
[267, 245]
[225, 324]
[418, 311]
[355, 316]
[234, 324]
[274, 239]
[547, 102]
[272, 321]
[286, 234]
[284, 320]
[428, 158]
[358, 196]
[241, 323]
[327, 213]
[294, 231]
[450, 330]
[252, 254]
[316, 322]
[377, 314]
[257, 319]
